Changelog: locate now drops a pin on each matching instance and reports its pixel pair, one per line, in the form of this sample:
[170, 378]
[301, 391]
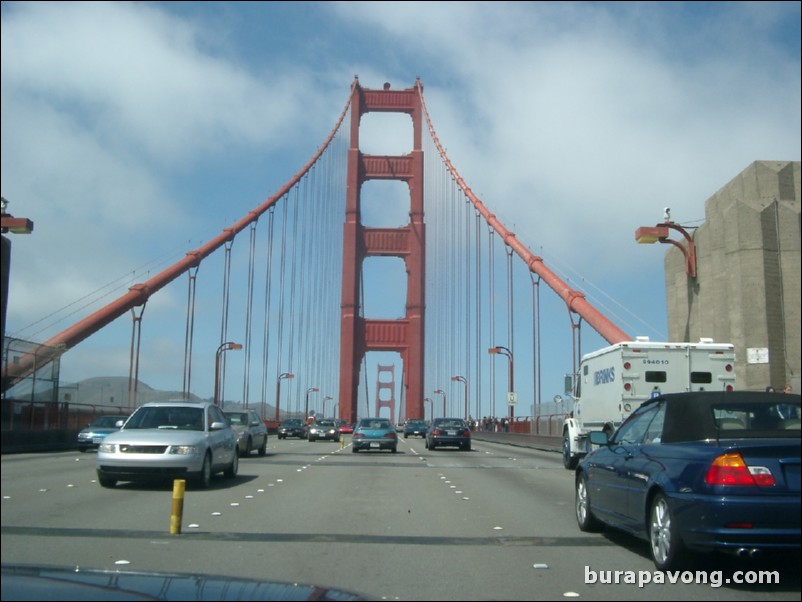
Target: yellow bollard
[342, 441]
[179, 486]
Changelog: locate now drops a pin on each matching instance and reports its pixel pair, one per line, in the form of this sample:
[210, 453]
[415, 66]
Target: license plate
[374, 444]
[451, 433]
[97, 440]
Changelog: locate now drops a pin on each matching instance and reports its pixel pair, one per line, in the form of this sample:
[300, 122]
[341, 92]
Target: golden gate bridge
[302, 317]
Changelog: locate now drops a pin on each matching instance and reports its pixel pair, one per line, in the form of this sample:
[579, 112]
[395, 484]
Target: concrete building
[747, 288]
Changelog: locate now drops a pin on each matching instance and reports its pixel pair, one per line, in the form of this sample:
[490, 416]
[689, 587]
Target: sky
[133, 132]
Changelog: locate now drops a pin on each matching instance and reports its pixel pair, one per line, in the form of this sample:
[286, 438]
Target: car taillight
[436, 432]
[730, 469]
[358, 435]
[389, 435]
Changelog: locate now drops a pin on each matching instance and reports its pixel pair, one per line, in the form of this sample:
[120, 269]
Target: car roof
[690, 416]
[177, 403]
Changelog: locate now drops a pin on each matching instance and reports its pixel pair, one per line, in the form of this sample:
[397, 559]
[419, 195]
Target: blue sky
[136, 131]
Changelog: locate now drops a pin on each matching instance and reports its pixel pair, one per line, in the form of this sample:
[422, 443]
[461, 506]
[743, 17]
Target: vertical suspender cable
[478, 284]
[266, 335]
[294, 249]
[224, 319]
[249, 315]
[491, 301]
[190, 330]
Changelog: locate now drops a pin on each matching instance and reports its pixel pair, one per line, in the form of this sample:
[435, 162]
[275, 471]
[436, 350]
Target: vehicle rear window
[758, 420]
[655, 376]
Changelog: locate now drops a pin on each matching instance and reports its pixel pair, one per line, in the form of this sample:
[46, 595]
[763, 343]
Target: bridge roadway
[496, 523]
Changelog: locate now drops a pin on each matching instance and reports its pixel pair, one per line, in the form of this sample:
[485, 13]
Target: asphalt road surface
[495, 523]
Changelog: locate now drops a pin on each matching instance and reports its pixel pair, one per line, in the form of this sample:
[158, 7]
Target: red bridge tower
[358, 334]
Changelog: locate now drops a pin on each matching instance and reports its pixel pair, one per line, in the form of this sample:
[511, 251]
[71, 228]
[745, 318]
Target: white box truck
[613, 382]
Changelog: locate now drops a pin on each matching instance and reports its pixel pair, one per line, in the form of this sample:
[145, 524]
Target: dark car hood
[26, 582]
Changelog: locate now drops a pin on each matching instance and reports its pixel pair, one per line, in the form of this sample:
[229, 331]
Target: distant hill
[112, 391]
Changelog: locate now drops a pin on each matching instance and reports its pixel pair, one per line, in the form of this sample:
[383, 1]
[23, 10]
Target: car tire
[665, 544]
[205, 476]
[584, 516]
[354, 449]
[569, 461]
[394, 449]
[263, 448]
[233, 468]
[82, 449]
[466, 447]
[248, 447]
[107, 482]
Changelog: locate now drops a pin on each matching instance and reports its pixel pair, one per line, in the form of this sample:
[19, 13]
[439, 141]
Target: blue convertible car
[699, 471]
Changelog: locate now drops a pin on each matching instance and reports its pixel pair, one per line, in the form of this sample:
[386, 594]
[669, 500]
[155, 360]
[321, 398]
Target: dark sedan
[415, 428]
[292, 427]
[449, 432]
[702, 471]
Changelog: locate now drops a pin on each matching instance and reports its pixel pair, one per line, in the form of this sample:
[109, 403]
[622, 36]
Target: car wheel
[107, 482]
[569, 461]
[205, 476]
[354, 448]
[263, 448]
[82, 449]
[233, 468]
[584, 516]
[466, 447]
[248, 448]
[665, 543]
[394, 449]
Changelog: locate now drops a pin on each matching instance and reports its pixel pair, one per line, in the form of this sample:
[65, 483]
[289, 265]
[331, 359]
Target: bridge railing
[42, 425]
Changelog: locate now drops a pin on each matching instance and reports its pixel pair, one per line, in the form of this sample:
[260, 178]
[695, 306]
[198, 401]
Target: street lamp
[443, 393]
[464, 381]
[511, 395]
[659, 233]
[306, 400]
[220, 350]
[325, 399]
[278, 389]
[431, 408]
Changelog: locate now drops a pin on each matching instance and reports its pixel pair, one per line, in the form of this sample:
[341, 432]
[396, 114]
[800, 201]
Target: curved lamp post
[443, 393]
[306, 400]
[278, 389]
[325, 399]
[464, 381]
[220, 350]
[508, 353]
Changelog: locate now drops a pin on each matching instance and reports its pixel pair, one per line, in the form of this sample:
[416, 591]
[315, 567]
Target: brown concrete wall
[747, 289]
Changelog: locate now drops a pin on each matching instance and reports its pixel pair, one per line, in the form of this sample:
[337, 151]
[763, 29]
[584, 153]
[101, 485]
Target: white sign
[512, 398]
[757, 355]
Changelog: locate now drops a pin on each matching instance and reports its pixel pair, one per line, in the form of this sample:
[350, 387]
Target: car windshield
[375, 424]
[166, 417]
[450, 424]
[107, 421]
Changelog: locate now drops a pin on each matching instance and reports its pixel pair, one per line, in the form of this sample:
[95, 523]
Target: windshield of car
[375, 424]
[324, 423]
[107, 421]
[165, 417]
[452, 423]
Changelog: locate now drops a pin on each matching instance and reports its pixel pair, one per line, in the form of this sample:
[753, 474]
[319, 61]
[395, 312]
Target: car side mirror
[216, 426]
[599, 438]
